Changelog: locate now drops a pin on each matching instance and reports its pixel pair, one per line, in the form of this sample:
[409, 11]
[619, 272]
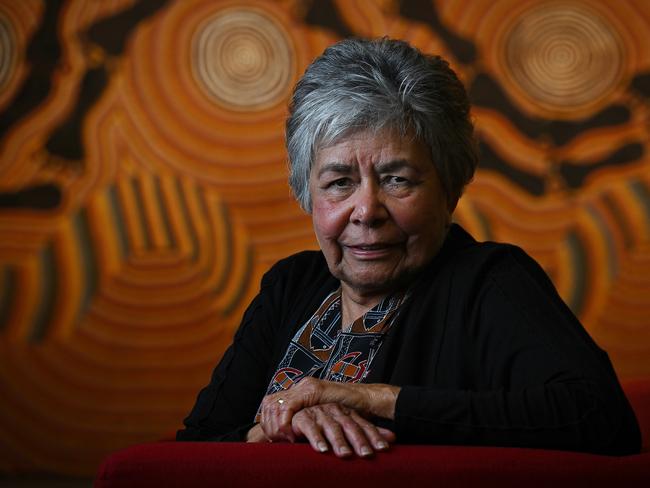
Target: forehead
[372, 146]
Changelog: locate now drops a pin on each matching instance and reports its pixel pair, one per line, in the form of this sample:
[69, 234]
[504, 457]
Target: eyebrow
[335, 167]
[347, 168]
[393, 165]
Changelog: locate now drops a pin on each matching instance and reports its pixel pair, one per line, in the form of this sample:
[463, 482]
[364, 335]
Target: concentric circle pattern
[242, 59]
[564, 55]
[7, 51]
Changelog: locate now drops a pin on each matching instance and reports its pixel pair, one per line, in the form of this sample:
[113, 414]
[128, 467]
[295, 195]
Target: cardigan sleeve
[535, 377]
[225, 409]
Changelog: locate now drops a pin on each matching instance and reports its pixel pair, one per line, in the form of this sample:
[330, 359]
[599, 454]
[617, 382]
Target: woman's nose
[369, 208]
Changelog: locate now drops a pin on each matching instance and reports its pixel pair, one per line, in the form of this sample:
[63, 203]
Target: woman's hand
[343, 429]
[256, 434]
[279, 408]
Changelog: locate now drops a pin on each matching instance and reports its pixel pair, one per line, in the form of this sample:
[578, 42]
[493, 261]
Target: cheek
[329, 221]
[422, 223]
[413, 220]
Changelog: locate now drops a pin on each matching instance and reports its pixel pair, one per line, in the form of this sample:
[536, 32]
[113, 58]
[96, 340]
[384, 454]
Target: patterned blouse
[323, 349]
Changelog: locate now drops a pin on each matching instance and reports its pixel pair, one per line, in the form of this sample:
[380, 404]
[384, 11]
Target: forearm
[569, 416]
[375, 399]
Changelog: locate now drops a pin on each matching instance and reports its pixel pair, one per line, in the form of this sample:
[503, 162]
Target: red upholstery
[287, 465]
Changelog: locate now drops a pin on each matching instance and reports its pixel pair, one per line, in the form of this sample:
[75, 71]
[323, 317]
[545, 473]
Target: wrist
[383, 399]
[375, 399]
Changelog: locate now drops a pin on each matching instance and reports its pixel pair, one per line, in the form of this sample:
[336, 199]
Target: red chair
[206, 464]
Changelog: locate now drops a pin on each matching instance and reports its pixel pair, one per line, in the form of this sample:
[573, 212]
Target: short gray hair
[360, 84]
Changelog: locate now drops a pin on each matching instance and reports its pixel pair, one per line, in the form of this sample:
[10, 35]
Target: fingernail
[382, 445]
[322, 447]
[366, 451]
[345, 451]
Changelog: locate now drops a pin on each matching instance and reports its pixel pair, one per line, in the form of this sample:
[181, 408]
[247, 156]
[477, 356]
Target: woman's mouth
[371, 250]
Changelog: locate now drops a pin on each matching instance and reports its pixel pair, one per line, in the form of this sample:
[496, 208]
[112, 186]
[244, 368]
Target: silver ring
[280, 401]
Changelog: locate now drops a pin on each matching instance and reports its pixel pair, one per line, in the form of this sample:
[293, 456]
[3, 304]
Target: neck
[355, 304]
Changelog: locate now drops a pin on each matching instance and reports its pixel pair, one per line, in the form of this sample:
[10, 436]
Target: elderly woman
[403, 327]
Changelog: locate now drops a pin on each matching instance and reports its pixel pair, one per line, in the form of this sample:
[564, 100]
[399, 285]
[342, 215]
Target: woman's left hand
[343, 429]
[279, 408]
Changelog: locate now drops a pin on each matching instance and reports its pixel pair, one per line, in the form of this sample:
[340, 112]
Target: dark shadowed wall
[143, 185]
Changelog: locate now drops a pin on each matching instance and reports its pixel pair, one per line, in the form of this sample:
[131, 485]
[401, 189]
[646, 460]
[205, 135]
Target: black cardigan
[485, 350]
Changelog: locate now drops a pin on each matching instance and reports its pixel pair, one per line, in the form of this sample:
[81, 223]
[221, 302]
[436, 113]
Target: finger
[279, 408]
[387, 434]
[276, 419]
[279, 425]
[372, 432]
[304, 424]
[256, 434]
[284, 419]
[333, 432]
[355, 433]
[266, 419]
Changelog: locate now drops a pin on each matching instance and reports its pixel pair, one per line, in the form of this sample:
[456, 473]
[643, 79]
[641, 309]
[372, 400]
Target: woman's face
[378, 208]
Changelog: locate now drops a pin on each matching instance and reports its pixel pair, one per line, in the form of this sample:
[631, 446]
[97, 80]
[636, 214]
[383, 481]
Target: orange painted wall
[143, 185]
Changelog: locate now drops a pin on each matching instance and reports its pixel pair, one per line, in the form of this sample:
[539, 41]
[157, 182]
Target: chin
[374, 283]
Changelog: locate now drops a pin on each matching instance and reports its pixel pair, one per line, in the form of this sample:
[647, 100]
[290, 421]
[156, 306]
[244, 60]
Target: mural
[143, 185]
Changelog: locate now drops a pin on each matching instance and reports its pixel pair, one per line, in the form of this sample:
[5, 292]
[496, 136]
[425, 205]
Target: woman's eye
[396, 180]
[339, 183]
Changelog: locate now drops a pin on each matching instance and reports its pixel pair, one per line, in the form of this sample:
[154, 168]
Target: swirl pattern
[7, 51]
[242, 59]
[564, 56]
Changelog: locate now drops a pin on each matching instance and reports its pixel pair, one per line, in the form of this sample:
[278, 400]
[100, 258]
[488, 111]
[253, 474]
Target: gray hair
[359, 84]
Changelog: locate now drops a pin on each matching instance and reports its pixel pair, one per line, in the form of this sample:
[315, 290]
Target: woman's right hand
[342, 429]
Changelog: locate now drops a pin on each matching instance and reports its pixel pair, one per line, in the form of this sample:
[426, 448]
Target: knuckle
[301, 414]
[330, 424]
[327, 408]
[302, 417]
[352, 427]
[363, 423]
[336, 435]
[268, 402]
[326, 422]
[315, 410]
[335, 409]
